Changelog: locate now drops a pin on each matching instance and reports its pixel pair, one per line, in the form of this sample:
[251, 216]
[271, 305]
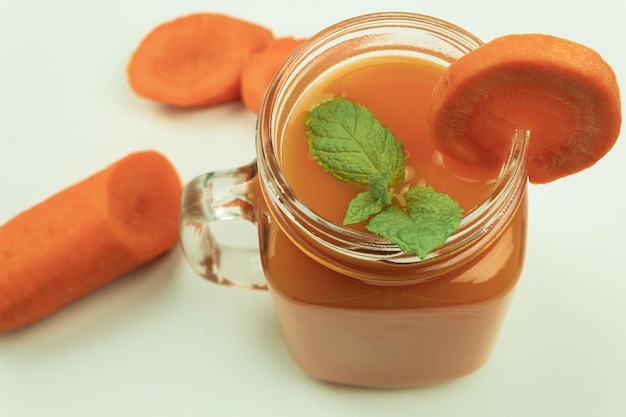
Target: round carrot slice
[563, 92]
[195, 60]
[259, 70]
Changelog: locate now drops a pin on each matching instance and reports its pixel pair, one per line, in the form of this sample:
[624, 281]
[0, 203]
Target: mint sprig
[351, 144]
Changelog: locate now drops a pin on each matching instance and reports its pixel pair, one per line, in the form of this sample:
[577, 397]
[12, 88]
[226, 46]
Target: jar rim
[365, 246]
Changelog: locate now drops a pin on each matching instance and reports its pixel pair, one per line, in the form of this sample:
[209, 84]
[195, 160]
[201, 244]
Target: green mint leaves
[351, 144]
[429, 219]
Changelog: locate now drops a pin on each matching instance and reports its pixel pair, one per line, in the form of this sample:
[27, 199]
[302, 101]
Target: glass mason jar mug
[353, 308]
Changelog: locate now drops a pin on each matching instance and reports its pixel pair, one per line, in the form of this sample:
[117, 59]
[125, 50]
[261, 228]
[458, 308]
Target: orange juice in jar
[355, 309]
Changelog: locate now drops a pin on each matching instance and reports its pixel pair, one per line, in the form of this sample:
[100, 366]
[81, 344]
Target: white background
[163, 342]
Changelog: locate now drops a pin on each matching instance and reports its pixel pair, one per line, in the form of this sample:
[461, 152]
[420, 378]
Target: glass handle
[206, 200]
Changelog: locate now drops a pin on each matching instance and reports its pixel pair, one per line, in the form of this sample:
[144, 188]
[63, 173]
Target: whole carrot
[85, 236]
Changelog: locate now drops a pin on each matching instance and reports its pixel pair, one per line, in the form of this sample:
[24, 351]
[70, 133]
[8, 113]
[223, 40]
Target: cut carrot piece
[261, 68]
[195, 60]
[563, 92]
[87, 235]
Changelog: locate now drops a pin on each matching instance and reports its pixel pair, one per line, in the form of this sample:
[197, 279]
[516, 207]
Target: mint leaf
[370, 202]
[435, 211]
[362, 207]
[397, 227]
[351, 144]
[430, 218]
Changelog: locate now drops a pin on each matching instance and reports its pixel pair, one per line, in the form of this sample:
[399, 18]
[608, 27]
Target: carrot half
[563, 92]
[260, 69]
[195, 60]
[87, 235]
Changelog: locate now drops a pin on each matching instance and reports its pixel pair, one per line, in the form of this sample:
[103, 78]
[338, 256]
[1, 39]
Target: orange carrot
[195, 60]
[562, 91]
[261, 68]
[85, 236]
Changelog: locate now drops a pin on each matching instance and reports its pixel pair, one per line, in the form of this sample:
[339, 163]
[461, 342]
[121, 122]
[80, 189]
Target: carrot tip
[86, 236]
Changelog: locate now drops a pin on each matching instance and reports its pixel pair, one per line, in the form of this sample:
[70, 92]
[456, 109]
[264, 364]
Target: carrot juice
[345, 328]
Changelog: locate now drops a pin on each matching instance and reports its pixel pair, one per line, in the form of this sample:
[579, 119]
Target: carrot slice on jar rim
[563, 92]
